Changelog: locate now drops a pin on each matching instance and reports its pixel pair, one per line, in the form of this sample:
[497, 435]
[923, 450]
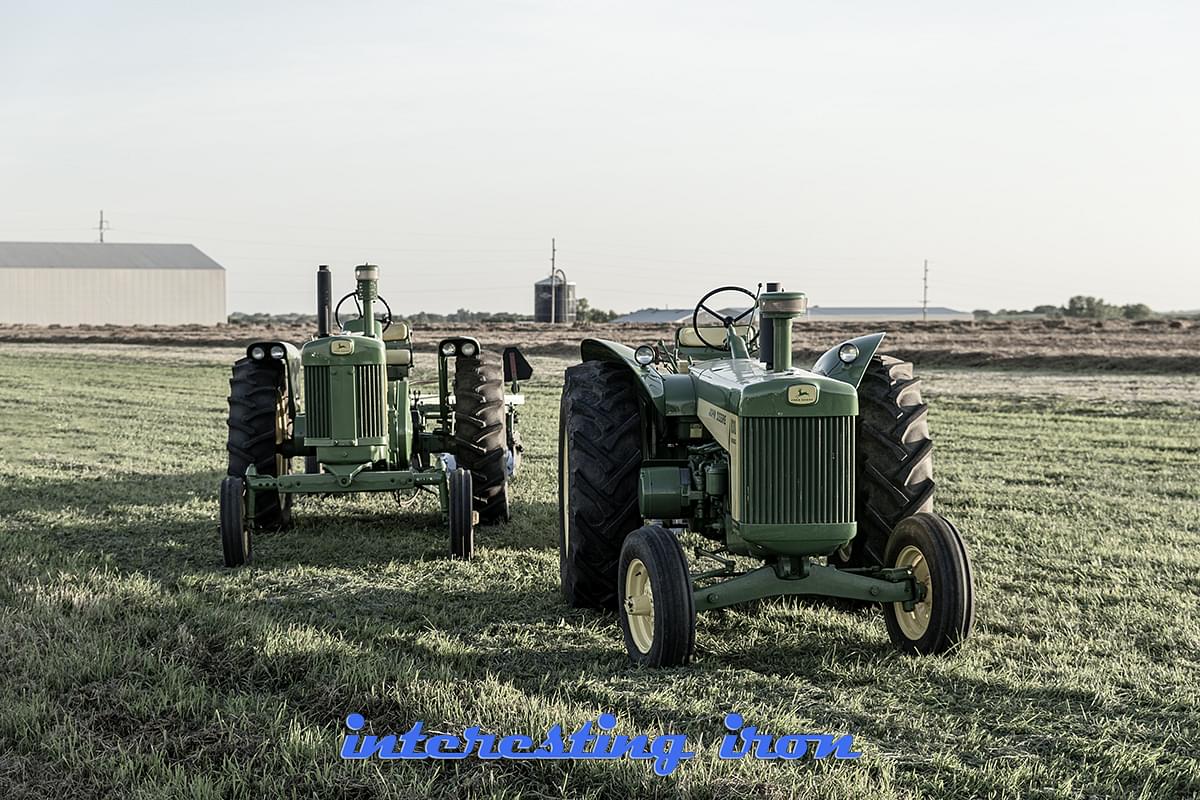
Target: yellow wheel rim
[639, 605]
[914, 623]
[282, 432]
[245, 525]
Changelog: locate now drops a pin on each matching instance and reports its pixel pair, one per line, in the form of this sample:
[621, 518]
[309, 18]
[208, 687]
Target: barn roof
[656, 315]
[91, 255]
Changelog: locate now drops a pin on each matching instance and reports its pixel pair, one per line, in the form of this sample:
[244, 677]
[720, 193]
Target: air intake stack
[778, 310]
[367, 276]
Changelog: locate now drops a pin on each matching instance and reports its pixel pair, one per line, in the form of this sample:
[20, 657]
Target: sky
[1029, 150]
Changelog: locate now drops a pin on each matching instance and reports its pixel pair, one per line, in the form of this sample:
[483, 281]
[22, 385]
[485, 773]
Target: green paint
[357, 417]
[816, 580]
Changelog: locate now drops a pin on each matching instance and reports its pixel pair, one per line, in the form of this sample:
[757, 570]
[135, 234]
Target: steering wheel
[728, 322]
[337, 311]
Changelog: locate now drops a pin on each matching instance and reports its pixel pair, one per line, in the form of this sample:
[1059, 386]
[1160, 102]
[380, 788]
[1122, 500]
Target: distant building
[887, 313]
[555, 298]
[680, 316]
[654, 316]
[77, 283]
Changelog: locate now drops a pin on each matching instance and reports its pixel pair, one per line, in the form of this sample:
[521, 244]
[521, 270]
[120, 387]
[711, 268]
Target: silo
[555, 297]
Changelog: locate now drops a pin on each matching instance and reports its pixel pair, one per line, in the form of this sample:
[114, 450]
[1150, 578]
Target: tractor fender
[831, 366]
[670, 395]
[291, 368]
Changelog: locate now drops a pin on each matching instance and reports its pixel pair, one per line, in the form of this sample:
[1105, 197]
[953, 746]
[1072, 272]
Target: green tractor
[363, 428]
[823, 475]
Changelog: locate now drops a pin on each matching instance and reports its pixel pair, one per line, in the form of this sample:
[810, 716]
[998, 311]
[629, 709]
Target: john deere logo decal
[341, 347]
[802, 394]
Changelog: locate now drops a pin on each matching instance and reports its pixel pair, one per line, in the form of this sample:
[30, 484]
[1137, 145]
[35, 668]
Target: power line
[103, 226]
[925, 295]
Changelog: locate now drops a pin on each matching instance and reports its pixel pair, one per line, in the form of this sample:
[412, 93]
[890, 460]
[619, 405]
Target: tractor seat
[398, 350]
[398, 356]
[398, 332]
[686, 337]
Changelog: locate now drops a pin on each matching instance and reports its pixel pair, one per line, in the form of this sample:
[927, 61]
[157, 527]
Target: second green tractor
[363, 427]
[821, 476]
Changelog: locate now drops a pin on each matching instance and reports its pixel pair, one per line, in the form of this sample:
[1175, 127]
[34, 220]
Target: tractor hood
[748, 389]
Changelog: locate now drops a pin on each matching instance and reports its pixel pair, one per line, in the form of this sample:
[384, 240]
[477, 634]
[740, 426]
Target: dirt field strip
[1116, 345]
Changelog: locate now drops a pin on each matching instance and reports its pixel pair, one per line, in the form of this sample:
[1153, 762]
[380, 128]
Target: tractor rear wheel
[895, 458]
[599, 457]
[258, 424]
[462, 515]
[480, 439]
[235, 533]
[933, 549]
[658, 612]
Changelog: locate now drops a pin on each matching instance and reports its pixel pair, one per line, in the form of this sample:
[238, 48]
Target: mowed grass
[133, 664]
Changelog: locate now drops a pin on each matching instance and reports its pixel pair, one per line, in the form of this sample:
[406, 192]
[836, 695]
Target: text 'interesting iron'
[591, 741]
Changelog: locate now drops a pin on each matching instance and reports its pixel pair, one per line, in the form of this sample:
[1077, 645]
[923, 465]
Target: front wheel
[235, 533]
[462, 515]
[932, 548]
[658, 613]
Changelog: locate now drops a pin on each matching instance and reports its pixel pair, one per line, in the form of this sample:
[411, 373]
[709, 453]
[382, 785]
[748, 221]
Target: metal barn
[77, 283]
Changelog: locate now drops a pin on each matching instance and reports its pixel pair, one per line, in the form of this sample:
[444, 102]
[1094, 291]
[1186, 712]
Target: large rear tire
[480, 438]
[599, 456]
[895, 458]
[258, 424]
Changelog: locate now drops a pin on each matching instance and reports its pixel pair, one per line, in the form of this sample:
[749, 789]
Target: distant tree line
[1078, 307]
[243, 318]
[467, 315]
[583, 313]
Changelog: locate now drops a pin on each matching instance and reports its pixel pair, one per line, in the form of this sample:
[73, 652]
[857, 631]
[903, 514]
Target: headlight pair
[467, 349]
[258, 352]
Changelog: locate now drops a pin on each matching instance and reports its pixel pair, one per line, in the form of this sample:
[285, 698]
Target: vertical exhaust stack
[766, 332]
[367, 276]
[324, 301]
[780, 308]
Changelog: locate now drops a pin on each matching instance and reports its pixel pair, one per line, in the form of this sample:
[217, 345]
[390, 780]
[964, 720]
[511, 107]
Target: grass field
[133, 664]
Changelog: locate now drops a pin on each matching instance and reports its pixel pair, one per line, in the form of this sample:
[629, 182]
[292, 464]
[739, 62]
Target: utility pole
[552, 274]
[103, 226]
[925, 296]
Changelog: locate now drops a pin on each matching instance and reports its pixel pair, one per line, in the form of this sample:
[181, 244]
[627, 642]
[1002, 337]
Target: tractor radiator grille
[316, 403]
[370, 399]
[798, 470]
[370, 388]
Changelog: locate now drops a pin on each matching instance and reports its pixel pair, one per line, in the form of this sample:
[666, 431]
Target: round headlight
[848, 353]
[448, 348]
[257, 353]
[468, 349]
[644, 355]
[277, 351]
